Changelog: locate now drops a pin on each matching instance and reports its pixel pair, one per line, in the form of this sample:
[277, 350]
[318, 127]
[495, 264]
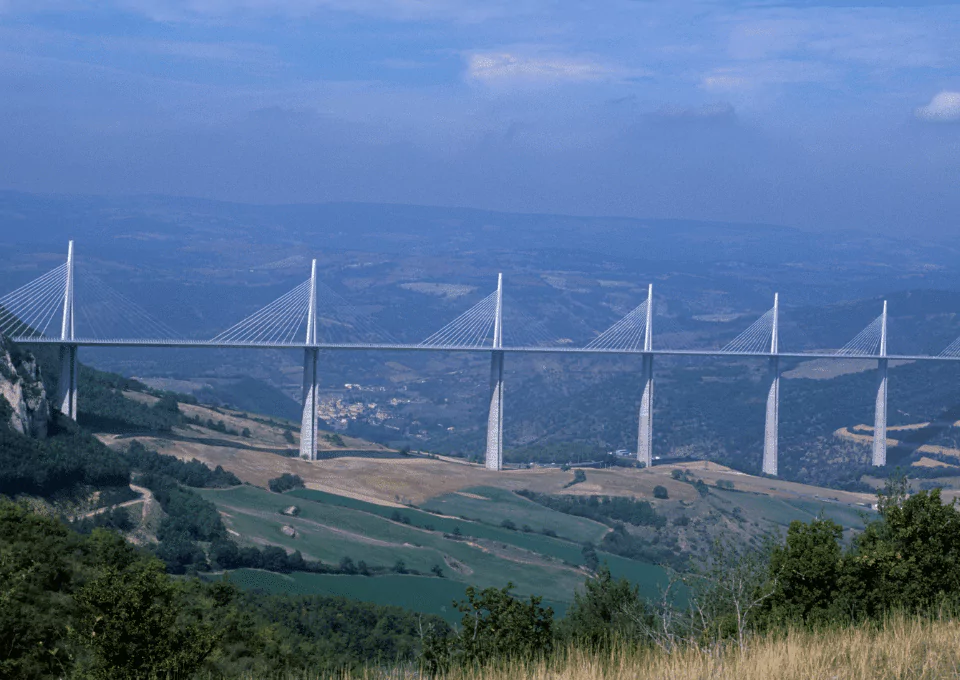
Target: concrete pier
[311, 355]
[493, 458]
[308, 420]
[771, 429]
[645, 433]
[645, 428]
[67, 385]
[879, 457]
[494, 453]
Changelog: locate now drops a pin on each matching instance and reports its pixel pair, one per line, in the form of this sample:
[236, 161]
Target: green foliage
[136, 623]
[286, 482]
[68, 460]
[192, 473]
[103, 407]
[187, 513]
[590, 559]
[95, 607]
[606, 509]
[908, 560]
[337, 440]
[604, 612]
[807, 567]
[34, 576]
[660, 492]
[622, 542]
[495, 626]
[265, 635]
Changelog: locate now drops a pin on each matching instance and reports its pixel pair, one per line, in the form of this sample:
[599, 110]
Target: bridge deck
[399, 347]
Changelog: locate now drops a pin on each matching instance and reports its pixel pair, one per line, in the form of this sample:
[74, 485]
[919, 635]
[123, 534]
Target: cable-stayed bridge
[62, 309]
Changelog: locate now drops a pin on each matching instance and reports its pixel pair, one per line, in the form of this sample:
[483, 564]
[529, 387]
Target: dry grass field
[382, 476]
[826, 369]
[902, 649]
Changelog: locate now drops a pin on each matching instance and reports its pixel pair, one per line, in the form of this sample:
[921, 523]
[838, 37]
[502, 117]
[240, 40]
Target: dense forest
[96, 607]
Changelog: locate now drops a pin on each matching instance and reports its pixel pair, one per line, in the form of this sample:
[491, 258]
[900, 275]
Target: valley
[431, 525]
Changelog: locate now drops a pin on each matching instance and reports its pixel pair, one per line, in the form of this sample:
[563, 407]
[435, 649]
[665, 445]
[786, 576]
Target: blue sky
[821, 115]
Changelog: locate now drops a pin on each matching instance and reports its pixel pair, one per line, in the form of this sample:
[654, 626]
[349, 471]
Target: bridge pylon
[879, 457]
[311, 355]
[493, 459]
[771, 430]
[67, 384]
[645, 428]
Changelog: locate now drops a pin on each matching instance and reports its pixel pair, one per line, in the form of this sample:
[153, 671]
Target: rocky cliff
[21, 386]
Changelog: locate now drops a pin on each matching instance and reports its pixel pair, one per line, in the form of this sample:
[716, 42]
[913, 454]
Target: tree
[660, 492]
[603, 612]
[34, 576]
[225, 554]
[908, 559]
[286, 482]
[495, 626]
[130, 619]
[806, 569]
[168, 403]
[590, 559]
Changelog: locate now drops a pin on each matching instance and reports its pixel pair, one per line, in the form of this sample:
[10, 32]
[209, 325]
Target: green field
[330, 528]
[497, 505]
[329, 533]
[781, 511]
[545, 545]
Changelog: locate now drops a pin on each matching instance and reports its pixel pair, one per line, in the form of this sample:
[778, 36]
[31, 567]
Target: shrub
[286, 482]
[660, 492]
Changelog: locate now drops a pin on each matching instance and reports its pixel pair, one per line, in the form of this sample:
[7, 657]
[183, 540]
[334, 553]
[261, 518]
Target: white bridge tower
[308, 421]
[67, 385]
[494, 453]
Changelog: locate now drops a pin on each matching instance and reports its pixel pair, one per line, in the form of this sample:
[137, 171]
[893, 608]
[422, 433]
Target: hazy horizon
[819, 115]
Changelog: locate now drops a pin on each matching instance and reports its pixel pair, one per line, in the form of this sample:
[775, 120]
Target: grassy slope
[486, 557]
[493, 506]
[553, 547]
[329, 533]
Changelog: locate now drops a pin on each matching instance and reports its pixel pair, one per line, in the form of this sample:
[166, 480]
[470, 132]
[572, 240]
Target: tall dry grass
[904, 648]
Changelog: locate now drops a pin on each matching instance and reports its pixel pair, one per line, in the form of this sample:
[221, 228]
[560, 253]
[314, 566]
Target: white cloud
[762, 73]
[504, 67]
[944, 107]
